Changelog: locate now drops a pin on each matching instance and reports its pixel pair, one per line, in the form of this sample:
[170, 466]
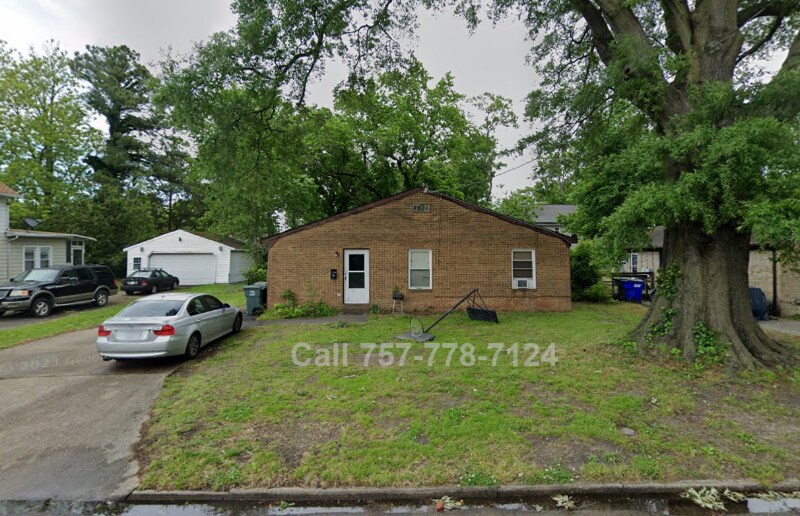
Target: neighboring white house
[195, 258]
[23, 249]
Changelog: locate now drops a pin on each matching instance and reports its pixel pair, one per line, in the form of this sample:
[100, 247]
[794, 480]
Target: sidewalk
[788, 326]
[251, 321]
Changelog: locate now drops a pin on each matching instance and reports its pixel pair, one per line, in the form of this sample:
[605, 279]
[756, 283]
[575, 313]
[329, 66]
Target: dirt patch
[293, 440]
[571, 454]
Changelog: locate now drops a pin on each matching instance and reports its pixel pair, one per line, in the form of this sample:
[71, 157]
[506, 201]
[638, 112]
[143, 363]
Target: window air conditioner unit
[523, 283]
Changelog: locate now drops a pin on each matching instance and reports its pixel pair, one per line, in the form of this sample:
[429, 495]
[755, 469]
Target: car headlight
[20, 293]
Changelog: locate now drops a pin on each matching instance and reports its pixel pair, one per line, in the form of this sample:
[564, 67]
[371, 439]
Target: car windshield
[155, 308]
[141, 274]
[37, 275]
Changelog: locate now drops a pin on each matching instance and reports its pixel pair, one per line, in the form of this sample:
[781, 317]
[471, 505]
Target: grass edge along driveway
[244, 415]
[91, 317]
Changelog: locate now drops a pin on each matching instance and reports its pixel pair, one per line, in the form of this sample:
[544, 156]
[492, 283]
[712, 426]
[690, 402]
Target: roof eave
[13, 233]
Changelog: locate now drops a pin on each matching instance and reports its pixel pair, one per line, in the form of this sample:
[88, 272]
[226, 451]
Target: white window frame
[75, 245]
[533, 270]
[430, 268]
[134, 265]
[37, 255]
[634, 265]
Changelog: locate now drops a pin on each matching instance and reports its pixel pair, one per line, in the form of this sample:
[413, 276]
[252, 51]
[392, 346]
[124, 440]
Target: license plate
[131, 283]
[131, 334]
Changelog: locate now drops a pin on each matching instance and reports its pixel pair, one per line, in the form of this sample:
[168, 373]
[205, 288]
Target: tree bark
[710, 288]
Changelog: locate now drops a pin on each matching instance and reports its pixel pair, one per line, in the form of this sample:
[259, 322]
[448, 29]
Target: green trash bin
[256, 297]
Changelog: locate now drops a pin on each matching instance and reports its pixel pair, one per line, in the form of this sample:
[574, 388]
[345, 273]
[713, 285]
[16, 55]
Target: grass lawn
[88, 318]
[244, 415]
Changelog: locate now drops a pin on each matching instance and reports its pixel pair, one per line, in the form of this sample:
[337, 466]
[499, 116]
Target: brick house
[431, 247]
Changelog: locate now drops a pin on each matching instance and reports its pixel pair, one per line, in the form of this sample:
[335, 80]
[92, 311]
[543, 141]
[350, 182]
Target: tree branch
[766, 8]
[602, 37]
[624, 23]
[677, 19]
[763, 41]
[792, 61]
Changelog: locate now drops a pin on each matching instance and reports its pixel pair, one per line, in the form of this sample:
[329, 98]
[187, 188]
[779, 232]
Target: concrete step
[356, 309]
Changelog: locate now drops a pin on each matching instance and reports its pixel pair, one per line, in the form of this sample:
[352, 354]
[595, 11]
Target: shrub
[584, 272]
[597, 293]
[289, 297]
[313, 308]
[317, 308]
[257, 272]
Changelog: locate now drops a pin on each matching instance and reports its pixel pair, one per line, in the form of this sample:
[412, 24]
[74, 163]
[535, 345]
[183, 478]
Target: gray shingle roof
[548, 213]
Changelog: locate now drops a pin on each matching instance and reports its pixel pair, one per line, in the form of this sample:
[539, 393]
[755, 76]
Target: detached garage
[195, 258]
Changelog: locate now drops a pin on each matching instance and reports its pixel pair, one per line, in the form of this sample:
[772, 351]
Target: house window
[137, 263]
[35, 257]
[419, 269]
[634, 262]
[523, 268]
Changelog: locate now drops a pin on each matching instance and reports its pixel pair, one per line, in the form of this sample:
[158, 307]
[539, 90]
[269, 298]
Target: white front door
[356, 277]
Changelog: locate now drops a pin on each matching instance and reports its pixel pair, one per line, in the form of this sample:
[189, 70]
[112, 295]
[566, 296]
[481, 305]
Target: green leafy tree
[266, 161]
[45, 135]
[668, 121]
[121, 211]
[661, 102]
[398, 132]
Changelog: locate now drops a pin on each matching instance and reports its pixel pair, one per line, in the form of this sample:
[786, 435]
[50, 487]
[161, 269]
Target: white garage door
[191, 269]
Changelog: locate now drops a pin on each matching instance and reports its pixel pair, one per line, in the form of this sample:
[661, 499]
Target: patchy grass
[89, 317]
[244, 415]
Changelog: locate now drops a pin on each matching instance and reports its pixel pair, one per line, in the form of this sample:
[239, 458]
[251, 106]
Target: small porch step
[356, 309]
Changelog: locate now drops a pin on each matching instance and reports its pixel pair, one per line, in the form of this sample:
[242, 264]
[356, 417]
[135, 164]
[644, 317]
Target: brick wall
[469, 249]
[788, 282]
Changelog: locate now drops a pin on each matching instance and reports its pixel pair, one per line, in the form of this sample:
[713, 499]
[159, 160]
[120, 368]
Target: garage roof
[224, 240]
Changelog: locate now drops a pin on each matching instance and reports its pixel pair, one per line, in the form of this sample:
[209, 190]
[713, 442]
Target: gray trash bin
[256, 296]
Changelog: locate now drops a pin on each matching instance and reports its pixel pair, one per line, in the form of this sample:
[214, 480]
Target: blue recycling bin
[633, 290]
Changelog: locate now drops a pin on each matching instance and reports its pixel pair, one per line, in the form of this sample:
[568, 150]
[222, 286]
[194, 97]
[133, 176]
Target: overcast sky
[492, 59]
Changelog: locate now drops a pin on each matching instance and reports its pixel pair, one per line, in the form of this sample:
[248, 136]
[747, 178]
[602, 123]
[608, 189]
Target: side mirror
[226, 305]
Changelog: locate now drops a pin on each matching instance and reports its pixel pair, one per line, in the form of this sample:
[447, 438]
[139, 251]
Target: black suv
[39, 290]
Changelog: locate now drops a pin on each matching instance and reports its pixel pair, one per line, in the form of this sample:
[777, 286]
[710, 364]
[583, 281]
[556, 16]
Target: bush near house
[585, 276]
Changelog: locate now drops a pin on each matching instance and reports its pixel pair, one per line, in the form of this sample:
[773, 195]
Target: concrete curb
[415, 494]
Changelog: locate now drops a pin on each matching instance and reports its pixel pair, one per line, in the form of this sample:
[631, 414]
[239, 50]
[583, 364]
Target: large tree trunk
[704, 282]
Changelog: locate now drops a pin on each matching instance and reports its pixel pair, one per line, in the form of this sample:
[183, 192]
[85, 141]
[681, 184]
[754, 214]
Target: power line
[506, 171]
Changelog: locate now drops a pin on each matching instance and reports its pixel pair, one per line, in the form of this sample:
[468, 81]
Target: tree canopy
[655, 112]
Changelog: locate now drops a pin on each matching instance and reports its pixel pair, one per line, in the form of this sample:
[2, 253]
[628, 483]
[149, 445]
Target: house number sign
[421, 208]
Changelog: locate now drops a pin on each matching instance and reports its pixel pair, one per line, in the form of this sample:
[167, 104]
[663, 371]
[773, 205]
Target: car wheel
[128, 293]
[154, 290]
[193, 346]
[41, 307]
[237, 324]
[101, 298]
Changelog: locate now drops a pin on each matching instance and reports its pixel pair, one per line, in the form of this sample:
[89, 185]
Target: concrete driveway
[68, 420]
[14, 319]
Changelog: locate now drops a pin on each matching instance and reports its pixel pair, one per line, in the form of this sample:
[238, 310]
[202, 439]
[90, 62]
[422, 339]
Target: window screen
[419, 268]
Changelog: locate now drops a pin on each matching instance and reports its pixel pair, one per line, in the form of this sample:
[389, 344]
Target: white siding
[57, 257]
[4, 248]
[240, 261]
[182, 242]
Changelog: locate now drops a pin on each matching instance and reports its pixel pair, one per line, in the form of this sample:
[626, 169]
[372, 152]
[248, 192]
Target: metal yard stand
[476, 310]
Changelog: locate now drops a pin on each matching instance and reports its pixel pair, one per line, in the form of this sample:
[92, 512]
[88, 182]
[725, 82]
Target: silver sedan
[166, 325]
